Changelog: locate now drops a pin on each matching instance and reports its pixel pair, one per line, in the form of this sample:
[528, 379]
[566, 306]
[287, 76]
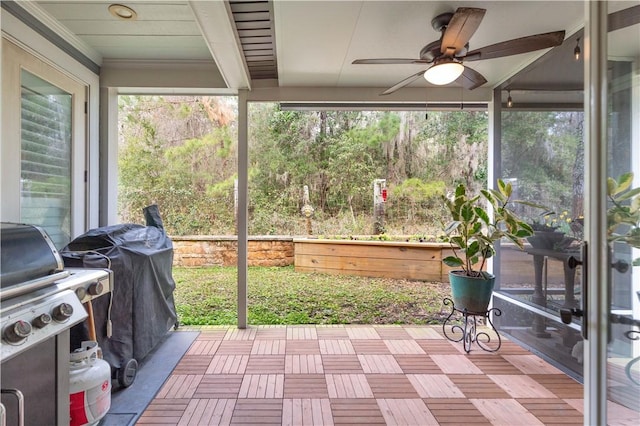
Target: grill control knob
[81, 293]
[95, 288]
[62, 312]
[17, 332]
[41, 321]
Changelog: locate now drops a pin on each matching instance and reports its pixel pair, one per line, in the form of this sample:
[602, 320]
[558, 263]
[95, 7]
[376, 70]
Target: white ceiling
[163, 29]
[316, 41]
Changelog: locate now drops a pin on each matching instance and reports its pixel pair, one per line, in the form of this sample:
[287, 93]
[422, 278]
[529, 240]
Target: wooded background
[181, 153]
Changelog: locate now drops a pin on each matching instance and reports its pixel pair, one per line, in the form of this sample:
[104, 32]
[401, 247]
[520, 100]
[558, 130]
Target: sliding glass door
[621, 385]
[573, 294]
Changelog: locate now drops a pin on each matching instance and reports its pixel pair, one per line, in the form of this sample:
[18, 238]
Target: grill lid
[26, 253]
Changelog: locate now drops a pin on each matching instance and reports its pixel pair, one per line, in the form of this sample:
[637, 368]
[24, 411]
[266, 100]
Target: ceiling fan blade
[463, 24]
[470, 79]
[403, 83]
[517, 46]
[624, 18]
[390, 61]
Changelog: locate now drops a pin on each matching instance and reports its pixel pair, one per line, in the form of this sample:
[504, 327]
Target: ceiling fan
[448, 54]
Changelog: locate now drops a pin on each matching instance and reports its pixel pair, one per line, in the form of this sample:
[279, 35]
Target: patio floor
[326, 375]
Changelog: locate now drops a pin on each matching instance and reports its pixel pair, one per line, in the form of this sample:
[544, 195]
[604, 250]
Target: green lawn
[279, 295]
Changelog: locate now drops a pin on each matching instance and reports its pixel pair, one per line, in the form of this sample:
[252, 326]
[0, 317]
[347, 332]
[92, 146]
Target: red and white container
[90, 385]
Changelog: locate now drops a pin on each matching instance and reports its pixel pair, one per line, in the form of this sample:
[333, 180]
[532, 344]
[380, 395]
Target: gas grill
[39, 302]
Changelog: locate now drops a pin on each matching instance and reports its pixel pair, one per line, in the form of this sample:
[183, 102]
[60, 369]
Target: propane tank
[90, 385]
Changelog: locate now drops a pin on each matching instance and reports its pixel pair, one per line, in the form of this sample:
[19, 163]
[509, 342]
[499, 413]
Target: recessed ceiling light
[123, 12]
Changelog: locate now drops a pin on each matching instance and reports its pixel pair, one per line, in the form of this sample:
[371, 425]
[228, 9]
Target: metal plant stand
[632, 335]
[468, 330]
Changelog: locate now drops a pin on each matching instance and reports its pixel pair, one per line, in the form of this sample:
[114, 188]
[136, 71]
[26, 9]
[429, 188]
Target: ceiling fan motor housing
[431, 51]
[440, 22]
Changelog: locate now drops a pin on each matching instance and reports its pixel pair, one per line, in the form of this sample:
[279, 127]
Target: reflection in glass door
[536, 283]
[623, 213]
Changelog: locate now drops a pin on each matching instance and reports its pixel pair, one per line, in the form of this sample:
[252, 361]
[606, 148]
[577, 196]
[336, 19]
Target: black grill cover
[143, 308]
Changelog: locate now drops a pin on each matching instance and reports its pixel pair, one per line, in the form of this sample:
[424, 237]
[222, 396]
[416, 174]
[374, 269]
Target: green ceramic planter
[471, 293]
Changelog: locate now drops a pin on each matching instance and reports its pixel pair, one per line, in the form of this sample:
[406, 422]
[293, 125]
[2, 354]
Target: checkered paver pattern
[332, 375]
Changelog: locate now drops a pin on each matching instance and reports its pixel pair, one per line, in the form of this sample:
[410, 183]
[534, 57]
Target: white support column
[108, 157]
[243, 203]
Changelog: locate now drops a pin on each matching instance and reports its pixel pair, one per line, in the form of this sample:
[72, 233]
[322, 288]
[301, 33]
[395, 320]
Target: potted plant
[545, 231]
[472, 235]
[623, 215]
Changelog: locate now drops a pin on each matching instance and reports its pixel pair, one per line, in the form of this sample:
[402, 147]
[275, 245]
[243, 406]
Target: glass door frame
[597, 299]
[596, 307]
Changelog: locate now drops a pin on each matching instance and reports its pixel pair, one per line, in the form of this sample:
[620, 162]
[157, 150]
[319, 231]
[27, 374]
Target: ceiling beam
[216, 24]
[451, 95]
[381, 106]
[165, 75]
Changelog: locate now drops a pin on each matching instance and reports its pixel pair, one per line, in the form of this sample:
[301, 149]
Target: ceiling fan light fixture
[444, 72]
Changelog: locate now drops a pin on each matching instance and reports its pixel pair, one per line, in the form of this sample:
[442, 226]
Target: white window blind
[46, 157]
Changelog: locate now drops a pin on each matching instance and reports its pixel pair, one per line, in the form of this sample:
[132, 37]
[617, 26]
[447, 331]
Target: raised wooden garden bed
[401, 260]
